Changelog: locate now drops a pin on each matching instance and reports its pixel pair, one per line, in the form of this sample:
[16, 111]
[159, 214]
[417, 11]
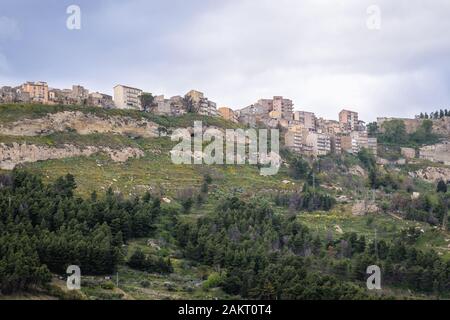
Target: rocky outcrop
[432, 174]
[361, 208]
[436, 153]
[82, 123]
[357, 171]
[12, 155]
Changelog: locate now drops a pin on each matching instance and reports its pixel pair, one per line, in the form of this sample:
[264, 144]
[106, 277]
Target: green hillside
[225, 231]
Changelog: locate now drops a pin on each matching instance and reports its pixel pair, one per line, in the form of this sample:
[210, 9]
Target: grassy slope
[156, 172]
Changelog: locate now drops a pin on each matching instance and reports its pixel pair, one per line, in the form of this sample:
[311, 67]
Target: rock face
[82, 123]
[432, 174]
[437, 153]
[10, 156]
[357, 171]
[361, 208]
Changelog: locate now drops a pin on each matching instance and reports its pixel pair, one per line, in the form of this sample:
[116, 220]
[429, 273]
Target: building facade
[37, 91]
[127, 97]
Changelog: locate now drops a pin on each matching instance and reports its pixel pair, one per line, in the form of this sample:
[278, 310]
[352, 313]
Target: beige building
[317, 144]
[37, 91]
[228, 114]
[306, 119]
[283, 106]
[202, 105]
[348, 120]
[127, 97]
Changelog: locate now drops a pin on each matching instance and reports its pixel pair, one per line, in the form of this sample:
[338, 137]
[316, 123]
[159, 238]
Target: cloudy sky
[319, 53]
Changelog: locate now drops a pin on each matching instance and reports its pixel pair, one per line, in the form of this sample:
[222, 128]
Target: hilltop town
[70, 158]
[304, 132]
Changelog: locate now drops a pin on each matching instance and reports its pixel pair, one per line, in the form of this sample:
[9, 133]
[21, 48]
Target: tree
[147, 100]
[442, 186]
[394, 131]
[372, 129]
[189, 105]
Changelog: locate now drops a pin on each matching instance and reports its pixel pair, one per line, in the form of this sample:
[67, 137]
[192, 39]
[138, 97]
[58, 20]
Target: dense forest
[257, 253]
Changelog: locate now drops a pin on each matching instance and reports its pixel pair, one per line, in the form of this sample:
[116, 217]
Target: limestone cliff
[12, 155]
[82, 123]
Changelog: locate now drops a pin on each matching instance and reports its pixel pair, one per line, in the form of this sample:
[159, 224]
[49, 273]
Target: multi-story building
[294, 138]
[202, 105]
[317, 144]
[127, 97]
[37, 91]
[348, 120]
[163, 106]
[267, 111]
[372, 145]
[228, 114]
[346, 143]
[305, 119]
[336, 147]
[177, 106]
[283, 106]
[10, 95]
[79, 94]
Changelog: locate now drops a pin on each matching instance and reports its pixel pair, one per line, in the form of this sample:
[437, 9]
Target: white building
[127, 97]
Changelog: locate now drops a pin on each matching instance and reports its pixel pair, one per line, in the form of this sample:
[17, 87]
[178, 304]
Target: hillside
[314, 215]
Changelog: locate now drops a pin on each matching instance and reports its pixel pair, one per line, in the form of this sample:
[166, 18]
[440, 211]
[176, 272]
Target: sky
[389, 60]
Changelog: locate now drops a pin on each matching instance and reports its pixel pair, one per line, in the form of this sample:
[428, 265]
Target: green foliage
[442, 186]
[140, 261]
[395, 134]
[45, 228]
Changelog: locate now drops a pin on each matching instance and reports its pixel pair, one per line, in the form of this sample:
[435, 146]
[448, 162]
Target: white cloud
[319, 53]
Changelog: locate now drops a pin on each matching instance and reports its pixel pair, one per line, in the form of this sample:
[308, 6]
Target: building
[11, 95]
[177, 106]
[163, 106]
[305, 119]
[228, 114]
[336, 147]
[127, 97]
[37, 91]
[79, 94]
[201, 104]
[372, 146]
[102, 100]
[283, 107]
[348, 120]
[317, 144]
[293, 138]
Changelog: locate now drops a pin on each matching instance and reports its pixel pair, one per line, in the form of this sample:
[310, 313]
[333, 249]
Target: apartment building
[283, 107]
[11, 95]
[202, 104]
[127, 97]
[37, 91]
[163, 106]
[372, 145]
[79, 94]
[305, 119]
[177, 106]
[336, 146]
[317, 144]
[293, 138]
[228, 114]
[348, 120]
